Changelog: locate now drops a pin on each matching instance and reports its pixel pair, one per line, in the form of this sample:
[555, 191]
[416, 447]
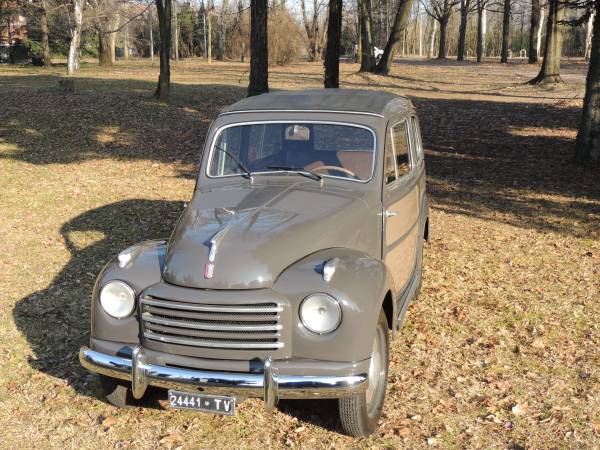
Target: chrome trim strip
[269, 385]
[218, 131]
[327, 111]
[209, 308]
[214, 344]
[149, 317]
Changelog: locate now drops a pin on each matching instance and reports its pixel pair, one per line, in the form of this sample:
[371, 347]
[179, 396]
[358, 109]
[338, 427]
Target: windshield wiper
[298, 170]
[237, 161]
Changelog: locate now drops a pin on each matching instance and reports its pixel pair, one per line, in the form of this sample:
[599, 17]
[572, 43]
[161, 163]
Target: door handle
[387, 213]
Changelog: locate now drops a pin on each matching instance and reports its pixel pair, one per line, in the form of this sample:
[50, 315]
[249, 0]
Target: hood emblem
[213, 243]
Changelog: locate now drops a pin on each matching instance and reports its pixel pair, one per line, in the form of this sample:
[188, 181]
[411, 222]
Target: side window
[401, 148]
[390, 166]
[417, 138]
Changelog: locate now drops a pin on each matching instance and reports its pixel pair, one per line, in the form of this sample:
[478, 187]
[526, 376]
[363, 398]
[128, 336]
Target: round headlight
[118, 299]
[320, 313]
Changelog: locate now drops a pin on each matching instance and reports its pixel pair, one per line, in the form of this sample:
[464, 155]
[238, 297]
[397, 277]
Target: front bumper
[270, 385]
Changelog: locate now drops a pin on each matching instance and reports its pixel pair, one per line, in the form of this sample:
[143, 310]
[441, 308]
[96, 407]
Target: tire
[116, 392]
[360, 413]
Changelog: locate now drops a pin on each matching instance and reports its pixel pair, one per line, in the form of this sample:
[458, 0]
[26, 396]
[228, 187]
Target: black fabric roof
[354, 100]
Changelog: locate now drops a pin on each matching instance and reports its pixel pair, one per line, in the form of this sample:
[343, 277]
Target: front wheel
[360, 413]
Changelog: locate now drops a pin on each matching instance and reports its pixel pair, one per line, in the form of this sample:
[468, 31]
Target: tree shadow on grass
[115, 119]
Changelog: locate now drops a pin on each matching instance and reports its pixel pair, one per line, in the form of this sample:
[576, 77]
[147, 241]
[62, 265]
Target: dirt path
[501, 350]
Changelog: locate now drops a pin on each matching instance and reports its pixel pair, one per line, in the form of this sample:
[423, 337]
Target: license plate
[216, 404]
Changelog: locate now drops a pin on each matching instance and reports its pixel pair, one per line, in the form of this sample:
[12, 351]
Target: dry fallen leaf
[109, 421]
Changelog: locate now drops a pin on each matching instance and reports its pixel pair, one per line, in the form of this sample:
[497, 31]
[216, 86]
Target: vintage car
[299, 252]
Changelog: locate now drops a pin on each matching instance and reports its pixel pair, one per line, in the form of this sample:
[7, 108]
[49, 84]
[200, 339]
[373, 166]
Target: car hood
[259, 230]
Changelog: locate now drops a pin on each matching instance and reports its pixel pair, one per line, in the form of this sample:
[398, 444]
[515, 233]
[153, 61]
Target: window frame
[217, 133]
[411, 156]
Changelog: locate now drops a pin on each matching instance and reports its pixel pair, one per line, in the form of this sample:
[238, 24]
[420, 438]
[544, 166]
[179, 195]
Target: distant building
[14, 31]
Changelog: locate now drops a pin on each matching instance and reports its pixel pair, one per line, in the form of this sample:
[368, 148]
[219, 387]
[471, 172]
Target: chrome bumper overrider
[269, 385]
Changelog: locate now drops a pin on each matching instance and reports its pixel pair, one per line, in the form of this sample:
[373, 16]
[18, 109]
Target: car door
[400, 204]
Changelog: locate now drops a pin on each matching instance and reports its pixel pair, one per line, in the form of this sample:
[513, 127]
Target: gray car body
[281, 228]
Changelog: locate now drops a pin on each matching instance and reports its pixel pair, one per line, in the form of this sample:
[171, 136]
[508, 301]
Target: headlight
[118, 299]
[320, 313]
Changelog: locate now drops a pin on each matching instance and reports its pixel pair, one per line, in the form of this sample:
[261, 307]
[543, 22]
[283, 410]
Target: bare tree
[400, 23]
[75, 44]
[550, 70]
[481, 28]
[466, 7]
[441, 11]
[163, 8]
[312, 28]
[533, 30]
[332, 54]
[587, 146]
[222, 31]
[506, 10]
[367, 60]
[259, 48]
[588, 36]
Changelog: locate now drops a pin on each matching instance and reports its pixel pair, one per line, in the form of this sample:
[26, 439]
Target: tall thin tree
[332, 53]
[400, 23]
[550, 70]
[259, 48]
[505, 31]
[367, 61]
[587, 145]
[533, 30]
[163, 8]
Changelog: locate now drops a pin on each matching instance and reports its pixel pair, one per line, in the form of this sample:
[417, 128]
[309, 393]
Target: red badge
[208, 270]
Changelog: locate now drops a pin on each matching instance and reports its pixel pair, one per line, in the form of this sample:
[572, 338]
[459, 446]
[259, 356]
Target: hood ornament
[213, 244]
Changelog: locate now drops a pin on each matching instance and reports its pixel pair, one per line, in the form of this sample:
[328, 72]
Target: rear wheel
[360, 413]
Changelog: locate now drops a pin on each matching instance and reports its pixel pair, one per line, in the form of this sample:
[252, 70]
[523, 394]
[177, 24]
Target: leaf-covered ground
[502, 349]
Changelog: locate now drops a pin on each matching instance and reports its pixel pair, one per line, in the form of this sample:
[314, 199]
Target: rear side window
[417, 140]
[401, 148]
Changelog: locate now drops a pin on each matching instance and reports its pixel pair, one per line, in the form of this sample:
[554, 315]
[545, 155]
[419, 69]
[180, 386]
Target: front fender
[143, 269]
[360, 284]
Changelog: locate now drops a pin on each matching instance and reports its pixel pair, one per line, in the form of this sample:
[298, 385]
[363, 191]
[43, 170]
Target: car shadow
[56, 320]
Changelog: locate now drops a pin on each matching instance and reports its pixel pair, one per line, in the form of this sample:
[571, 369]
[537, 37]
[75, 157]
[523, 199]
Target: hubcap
[376, 373]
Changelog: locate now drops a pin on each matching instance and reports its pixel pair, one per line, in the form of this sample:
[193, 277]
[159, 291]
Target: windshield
[344, 151]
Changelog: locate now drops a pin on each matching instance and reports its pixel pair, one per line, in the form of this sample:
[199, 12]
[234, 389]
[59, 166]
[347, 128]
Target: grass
[501, 350]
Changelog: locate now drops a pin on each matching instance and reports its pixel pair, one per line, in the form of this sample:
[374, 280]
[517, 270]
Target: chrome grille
[252, 326]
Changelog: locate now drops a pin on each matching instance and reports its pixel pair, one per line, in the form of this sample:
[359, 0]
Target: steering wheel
[336, 168]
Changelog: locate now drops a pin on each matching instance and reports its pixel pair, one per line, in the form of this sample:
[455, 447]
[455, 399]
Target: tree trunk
[221, 47]
[332, 54]
[126, 42]
[259, 48]
[480, 29]
[538, 44]
[533, 31]
[174, 32]
[164, 26]
[462, 29]
[74, 46]
[420, 19]
[400, 22]
[587, 146]
[151, 36]
[550, 70]
[505, 32]
[588, 37]
[442, 43]
[367, 61]
[209, 35]
[44, 31]
[105, 45]
[432, 38]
